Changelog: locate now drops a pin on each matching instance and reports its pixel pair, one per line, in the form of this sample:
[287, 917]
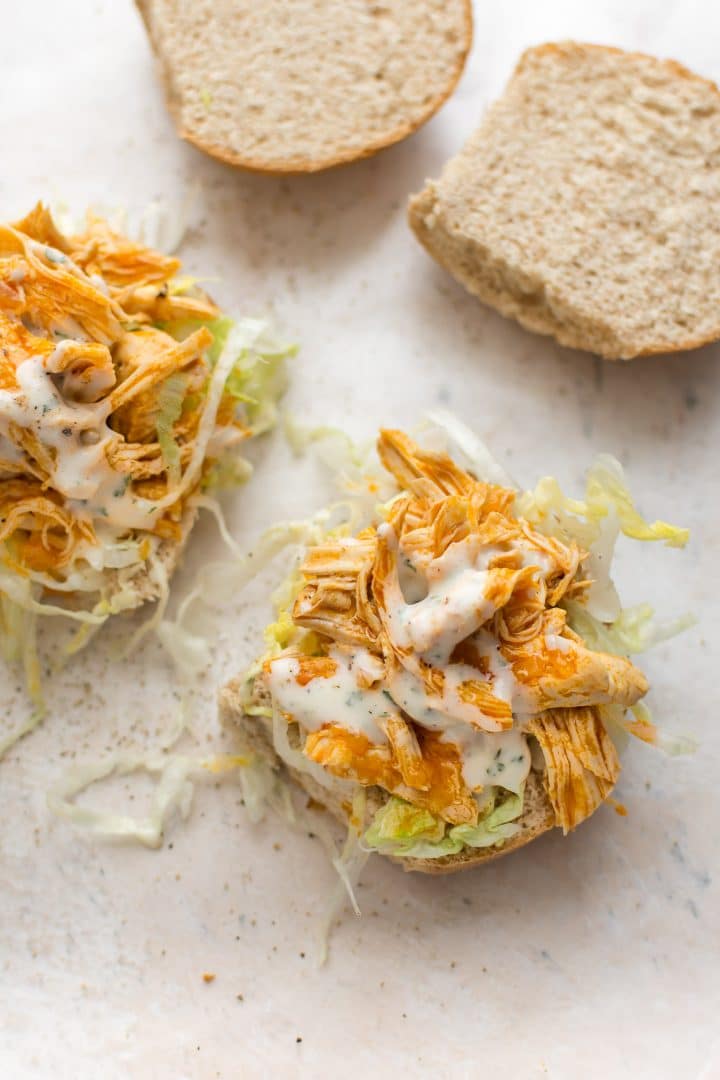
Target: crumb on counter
[208, 977]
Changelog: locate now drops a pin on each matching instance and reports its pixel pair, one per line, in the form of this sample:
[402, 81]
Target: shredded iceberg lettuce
[170, 402]
[404, 830]
[18, 643]
[258, 378]
[219, 328]
[216, 581]
[465, 446]
[400, 826]
[190, 653]
[349, 865]
[173, 792]
[161, 224]
[642, 727]
[606, 493]
[595, 524]
[14, 736]
[607, 490]
[164, 224]
[206, 502]
[635, 630]
[494, 829]
[260, 787]
[353, 466]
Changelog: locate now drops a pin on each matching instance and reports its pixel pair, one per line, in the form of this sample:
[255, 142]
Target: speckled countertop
[594, 956]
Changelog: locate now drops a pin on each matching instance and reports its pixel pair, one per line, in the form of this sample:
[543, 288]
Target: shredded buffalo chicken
[352, 596]
[112, 326]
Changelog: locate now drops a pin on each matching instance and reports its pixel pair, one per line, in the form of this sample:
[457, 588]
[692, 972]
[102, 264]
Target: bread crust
[255, 733]
[490, 277]
[558, 48]
[301, 165]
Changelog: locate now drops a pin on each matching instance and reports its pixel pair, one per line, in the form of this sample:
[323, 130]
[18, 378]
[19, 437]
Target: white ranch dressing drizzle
[454, 609]
[448, 605]
[453, 605]
[487, 758]
[442, 603]
[503, 760]
[338, 699]
[81, 471]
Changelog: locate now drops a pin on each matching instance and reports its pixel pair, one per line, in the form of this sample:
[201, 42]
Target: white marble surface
[595, 956]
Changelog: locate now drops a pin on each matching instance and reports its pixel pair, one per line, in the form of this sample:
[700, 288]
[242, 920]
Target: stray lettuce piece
[552, 513]
[606, 493]
[278, 635]
[227, 472]
[595, 523]
[170, 402]
[493, 829]
[642, 727]
[399, 828]
[258, 380]
[634, 631]
[606, 490]
[401, 825]
[219, 328]
[465, 445]
[638, 629]
[283, 632]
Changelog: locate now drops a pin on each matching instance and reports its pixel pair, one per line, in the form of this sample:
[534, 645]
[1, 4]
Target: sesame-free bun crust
[585, 205]
[295, 86]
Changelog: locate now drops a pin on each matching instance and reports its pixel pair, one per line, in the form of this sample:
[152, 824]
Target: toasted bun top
[300, 85]
[585, 205]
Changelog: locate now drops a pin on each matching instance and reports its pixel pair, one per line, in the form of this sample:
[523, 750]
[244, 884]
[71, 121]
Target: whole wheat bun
[585, 206]
[288, 86]
[255, 735]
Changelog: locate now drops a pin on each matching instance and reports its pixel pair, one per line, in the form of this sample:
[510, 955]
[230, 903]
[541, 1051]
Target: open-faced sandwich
[450, 679]
[123, 393]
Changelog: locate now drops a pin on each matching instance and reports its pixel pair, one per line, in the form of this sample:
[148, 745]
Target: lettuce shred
[404, 830]
[635, 630]
[464, 445]
[258, 378]
[173, 792]
[595, 523]
[606, 493]
[266, 789]
[170, 402]
[349, 864]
